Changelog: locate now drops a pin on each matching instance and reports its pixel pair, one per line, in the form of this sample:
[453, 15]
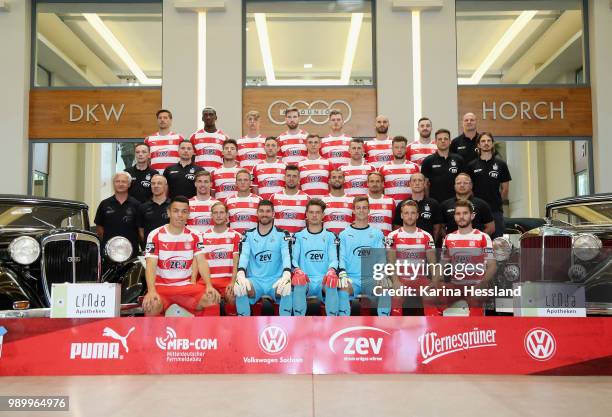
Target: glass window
[308, 43]
[98, 44]
[519, 42]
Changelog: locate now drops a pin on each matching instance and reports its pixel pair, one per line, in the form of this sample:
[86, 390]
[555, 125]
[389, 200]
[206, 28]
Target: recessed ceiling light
[307, 65]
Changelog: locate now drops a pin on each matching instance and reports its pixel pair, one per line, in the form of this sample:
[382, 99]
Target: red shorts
[220, 284]
[187, 296]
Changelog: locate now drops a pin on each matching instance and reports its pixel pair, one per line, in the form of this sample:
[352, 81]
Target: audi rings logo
[273, 340]
[316, 112]
[540, 344]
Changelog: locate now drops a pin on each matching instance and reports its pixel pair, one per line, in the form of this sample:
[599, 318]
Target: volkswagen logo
[540, 344]
[316, 112]
[273, 340]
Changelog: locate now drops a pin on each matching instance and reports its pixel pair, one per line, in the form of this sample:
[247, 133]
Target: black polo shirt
[482, 213]
[465, 147]
[429, 214]
[152, 215]
[118, 220]
[181, 179]
[487, 177]
[140, 188]
[441, 173]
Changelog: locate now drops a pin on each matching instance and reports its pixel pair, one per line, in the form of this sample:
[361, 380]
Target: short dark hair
[465, 203]
[398, 139]
[442, 131]
[185, 141]
[423, 118]
[270, 138]
[230, 141]
[209, 108]
[142, 144]
[202, 173]
[179, 199]
[163, 111]
[489, 134]
[292, 168]
[334, 112]
[360, 199]
[264, 203]
[292, 109]
[316, 202]
[313, 135]
[358, 140]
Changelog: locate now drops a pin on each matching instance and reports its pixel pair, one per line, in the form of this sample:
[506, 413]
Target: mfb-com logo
[273, 340]
[357, 345]
[184, 349]
[540, 344]
[102, 350]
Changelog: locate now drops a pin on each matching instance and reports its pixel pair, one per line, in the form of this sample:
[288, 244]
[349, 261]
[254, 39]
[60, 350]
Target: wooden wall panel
[358, 103]
[528, 111]
[102, 113]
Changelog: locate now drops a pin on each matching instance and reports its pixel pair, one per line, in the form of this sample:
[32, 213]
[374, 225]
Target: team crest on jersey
[453, 163]
[200, 245]
[192, 170]
[472, 243]
[495, 166]
[426, 208]
[148, 177]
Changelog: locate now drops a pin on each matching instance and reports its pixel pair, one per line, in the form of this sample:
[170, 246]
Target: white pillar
[15, 87]
[600, 35]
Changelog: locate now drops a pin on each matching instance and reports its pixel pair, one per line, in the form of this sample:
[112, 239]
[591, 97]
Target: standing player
[208, 142]
[357, 170]
[381, 207]
[482, 220]
[154, 213]
[251, 147]
[224, 178]
[424, 145]
[269, 175]
[292, 143]
[264, 255]
[242, 206]
[397, 173]
[221, 251]
[338, 206]
[141, 174]
[181, 176]
[290, 204]
[315, 261]
[465, 144]
[441, 168]
[335, 146]
[378, 150]
[356, 242]
[314, 170]
[199, 206]
[171, 251]
[163, 144]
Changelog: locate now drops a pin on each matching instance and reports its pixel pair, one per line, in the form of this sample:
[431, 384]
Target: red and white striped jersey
[381, 213]
[473, 248]
[290, 210]
[163, 149]
[219, 249]
[251, 151]
[292, 147]
[314, 176]
[412, 245]
[208, 149]
[378, 152]
[338, 213]
[269, 178]
[417, 151]
[397, 179]
[224, 182]
[242, 212]
[199, 214]
[174, 254]
[356, 179]
[336, 149]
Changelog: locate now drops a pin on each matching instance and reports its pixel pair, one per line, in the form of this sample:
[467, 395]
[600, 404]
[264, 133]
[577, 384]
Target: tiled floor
[321, 396]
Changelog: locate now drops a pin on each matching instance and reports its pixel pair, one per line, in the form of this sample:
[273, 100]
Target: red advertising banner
[303, 345]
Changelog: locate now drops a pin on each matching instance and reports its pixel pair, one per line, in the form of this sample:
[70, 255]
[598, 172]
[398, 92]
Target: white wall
[14, 88]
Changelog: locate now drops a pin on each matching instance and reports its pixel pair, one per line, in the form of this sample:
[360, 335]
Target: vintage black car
[45, 241]
[574, 245]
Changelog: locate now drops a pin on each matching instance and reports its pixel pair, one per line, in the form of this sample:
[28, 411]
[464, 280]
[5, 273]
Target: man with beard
[164, 143]
[208, 142]
[269, 175]
[264, 254]
[397, 173]
[338, 213]
[441, 168]
[381, 207]
[482, 219]
[356, 171]
[181, 176]
[200, 204]
[154, 213]
[465, 144]
[242, 206]
[424, 146]
[224, 177]
[141, 174]
[290, 204]
[378, 150]
[335, 146]
[292, 143]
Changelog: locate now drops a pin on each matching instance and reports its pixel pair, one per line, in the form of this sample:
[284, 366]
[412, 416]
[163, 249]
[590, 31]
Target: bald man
[465, 144]
[154, 213]
[378, 150]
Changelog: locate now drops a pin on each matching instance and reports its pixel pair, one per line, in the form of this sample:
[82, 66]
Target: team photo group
[294, 218]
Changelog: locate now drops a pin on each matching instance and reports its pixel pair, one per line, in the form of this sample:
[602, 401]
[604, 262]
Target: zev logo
[101, 350]
[540, 344]
[314, 255]
[264, 256]
[273, 340]
[361, 251]
[359, 348]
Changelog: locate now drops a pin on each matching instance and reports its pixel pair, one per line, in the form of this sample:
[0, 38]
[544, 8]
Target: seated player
[171, 266]
[264, 255]
[356, 242]
[315, 260]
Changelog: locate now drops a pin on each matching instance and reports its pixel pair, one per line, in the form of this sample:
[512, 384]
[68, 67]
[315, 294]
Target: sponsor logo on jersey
[264, 256]
[362, 251]
[401, 182]
[315, 178]
[176, 262]
[102, 350]
[315, 255]
[434, 346]
[219, 253]
[242, 216]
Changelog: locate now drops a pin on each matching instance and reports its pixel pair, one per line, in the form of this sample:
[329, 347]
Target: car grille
[60, 264]
[545, 258]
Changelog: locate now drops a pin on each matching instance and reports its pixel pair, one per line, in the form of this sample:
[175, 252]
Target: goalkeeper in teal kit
[315, 261]
[264, 267]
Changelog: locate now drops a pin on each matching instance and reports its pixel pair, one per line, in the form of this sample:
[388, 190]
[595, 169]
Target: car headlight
[586, 246]
[118, 249]
[502, 248]
[24, 250]
[512, 273]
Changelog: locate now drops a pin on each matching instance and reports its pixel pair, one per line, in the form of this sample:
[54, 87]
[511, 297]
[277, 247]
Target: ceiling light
[351, 47]
[264, 46]
[307, 65]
